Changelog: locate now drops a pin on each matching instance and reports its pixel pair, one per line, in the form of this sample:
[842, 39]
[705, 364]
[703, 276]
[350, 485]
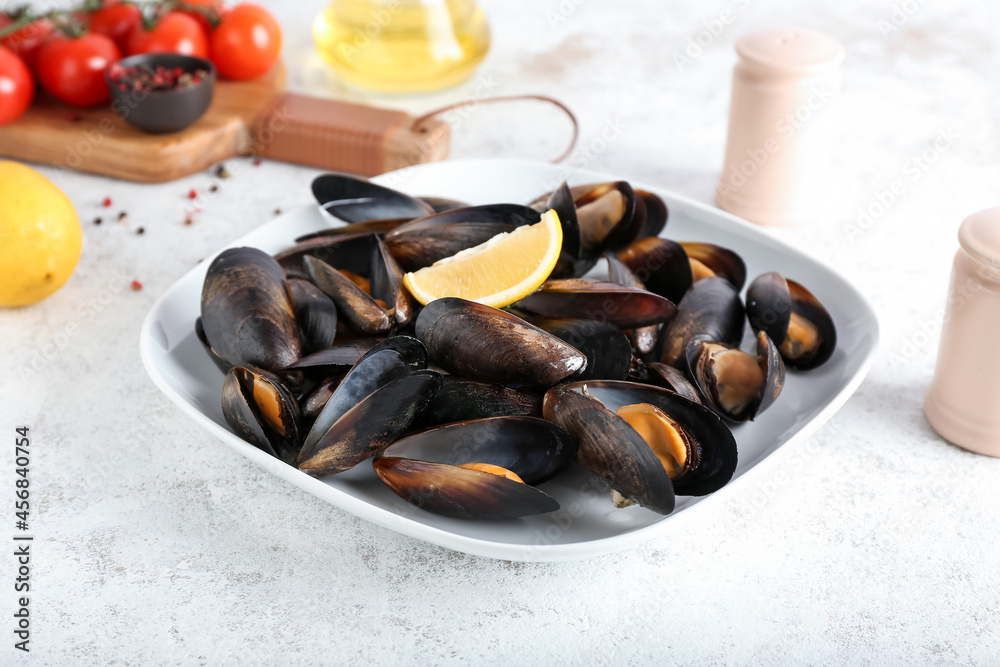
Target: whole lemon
[40, 236]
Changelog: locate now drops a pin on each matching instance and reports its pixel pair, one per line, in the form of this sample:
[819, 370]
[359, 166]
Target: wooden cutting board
[245, 118]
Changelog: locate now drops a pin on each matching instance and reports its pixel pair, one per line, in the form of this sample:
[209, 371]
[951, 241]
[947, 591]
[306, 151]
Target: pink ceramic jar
[781, 126]
[963, 403]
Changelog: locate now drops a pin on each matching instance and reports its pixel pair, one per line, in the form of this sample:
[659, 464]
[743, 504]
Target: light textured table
[874, 543]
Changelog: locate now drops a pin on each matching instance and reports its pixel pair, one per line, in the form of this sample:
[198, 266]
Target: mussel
[483, 343]
[647, 443]
[384, 305]
[354, 199]
[375, 403]
[661, 265]
[262, 411]
[712, 311]
[247, 313]
[708, 259]
[479, 469]
[620, 305]
[736, 384]
[794, 319]
[349, 252]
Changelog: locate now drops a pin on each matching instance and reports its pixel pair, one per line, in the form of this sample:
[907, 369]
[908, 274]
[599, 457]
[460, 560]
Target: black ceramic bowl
[163, 111]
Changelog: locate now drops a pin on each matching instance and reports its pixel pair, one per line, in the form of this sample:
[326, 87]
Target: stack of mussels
[464, 408]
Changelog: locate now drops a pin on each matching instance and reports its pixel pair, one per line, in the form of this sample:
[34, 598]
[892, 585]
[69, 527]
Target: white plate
[587, 525]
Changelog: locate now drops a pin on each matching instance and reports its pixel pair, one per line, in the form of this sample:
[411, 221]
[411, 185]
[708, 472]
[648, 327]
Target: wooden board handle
[342, 136]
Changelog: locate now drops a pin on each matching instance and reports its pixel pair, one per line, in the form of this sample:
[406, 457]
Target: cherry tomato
[115, 20]
[247, 42]
[174, 33]
[26, 41]
[16, 86]
[220, 8]
[73, 69]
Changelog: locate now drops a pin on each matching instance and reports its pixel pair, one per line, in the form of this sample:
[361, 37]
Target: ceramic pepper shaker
[781, 126]
[963, 402]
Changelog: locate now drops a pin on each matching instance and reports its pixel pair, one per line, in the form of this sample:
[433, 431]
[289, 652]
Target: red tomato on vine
[173, 33]
[72, 68]
[246, 43]
[26, 41]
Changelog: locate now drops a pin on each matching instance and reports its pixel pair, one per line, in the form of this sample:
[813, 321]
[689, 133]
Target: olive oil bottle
[402, 45]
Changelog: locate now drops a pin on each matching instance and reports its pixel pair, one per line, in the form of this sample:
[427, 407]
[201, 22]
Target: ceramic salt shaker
[963, 402]
[781, 126]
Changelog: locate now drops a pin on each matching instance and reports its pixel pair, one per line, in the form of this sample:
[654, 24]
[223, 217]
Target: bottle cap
[980, 236]
[791, 50]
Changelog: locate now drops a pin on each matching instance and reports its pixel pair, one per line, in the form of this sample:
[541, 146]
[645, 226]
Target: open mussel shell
[661, 265]
[246, 311]
[561, 201]
[316, 400]
[261, 410]
[354, 199]
[483, 343]
[611, 448]
[642, 338]
[387, 361]
[608, 350]
[462, 399]
[737, 385]
[378, 419]
[712, 311]
[421, 242]
[424, 468]
[708, 259]
[316, 314]
[387, 285]
[606, 214]
[620, 305]
[365, 315]
[794, 319]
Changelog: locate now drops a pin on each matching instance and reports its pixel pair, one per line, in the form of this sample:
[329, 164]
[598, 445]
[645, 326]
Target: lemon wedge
[497, 273]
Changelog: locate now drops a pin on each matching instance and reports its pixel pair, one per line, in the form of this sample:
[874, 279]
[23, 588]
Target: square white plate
[587, 525]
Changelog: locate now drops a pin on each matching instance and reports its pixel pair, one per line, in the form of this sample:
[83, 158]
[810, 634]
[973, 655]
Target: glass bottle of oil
[402, 45]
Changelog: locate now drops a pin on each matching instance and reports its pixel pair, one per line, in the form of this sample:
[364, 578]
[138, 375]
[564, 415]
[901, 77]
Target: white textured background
[874, 543]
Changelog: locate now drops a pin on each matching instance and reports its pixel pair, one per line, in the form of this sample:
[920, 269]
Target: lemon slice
[497, 273]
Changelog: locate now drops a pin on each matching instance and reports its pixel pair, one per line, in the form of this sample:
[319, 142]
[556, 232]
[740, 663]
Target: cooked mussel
[652, 212]
[602, 216]
[349, 252]
[246, 311]
[712, 311]
[375, 403]
[623, 306]
[315, 313]
[372, 305]
[483, 343]
[355, 199]
[479, 469]
[262, 411]
[647, 443]
[736, 384]
[661, 265]
[794, 319]
[708, 259]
